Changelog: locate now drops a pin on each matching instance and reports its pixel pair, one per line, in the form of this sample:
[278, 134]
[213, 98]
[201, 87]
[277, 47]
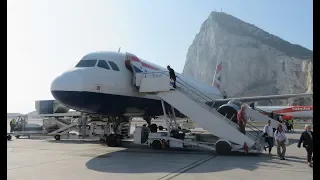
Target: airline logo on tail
[217, 76]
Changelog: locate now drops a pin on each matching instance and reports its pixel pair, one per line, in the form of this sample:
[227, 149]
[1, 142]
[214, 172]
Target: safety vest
[291, 121]
[12, 122]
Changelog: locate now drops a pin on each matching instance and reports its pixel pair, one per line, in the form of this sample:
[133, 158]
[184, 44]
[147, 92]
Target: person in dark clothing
[271, 115]
[268, 135]
[12, 125]
[172, 76]
[307, 139]
[252, 105]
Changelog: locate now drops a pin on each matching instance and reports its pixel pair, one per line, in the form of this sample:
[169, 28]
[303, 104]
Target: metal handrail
[184, 85]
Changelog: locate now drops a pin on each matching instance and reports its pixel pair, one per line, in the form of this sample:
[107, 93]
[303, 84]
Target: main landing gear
[114, 140]
[119, 131]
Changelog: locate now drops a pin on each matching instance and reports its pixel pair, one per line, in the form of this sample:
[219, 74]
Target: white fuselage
[93, 89]
[102, 83]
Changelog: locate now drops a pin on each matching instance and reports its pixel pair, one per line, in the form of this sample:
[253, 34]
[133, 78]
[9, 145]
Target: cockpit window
[113, 66]
[103, 64]
[87, 63]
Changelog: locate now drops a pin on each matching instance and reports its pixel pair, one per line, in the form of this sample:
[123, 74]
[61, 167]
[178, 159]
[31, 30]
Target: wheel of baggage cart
[57, 137]
[223, 147]
[156, 144]
[9, 137]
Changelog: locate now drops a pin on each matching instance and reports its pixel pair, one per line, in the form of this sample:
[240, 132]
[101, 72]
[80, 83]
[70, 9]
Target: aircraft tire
[223, 147]
[156, 144]
[113, 140]
[110, 140]
[57, 137]
[9, 137]
[117, 140]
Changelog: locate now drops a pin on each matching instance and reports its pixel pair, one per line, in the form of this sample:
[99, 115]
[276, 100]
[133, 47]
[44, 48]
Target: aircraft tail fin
[217, 76]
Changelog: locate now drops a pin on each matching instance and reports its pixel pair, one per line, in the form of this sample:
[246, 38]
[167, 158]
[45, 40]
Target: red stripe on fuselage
[294, 109]
[136, 59]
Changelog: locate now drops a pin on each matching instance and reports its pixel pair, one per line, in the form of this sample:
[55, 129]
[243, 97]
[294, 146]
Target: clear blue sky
[46, 37]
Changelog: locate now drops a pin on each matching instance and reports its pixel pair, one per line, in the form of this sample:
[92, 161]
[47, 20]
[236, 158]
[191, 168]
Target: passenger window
[113, 66]
[87, 63]
[103, 64]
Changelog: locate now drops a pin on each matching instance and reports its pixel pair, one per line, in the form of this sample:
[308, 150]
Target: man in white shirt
[280, 138]
[268, 135]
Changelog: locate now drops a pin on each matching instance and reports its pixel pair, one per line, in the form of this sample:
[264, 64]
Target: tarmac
[47, 159]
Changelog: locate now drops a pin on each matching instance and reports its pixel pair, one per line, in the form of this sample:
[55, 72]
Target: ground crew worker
[12, 125]
[242, 119]
[287, 125]
[172, 76]
[291, 124]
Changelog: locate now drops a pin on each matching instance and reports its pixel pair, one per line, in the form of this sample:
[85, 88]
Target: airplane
[300, 112]
[102, 83]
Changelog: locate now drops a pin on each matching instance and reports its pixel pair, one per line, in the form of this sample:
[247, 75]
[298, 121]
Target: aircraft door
[136, 67]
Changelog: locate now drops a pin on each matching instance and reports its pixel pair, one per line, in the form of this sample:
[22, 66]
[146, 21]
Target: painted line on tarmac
[187, 168]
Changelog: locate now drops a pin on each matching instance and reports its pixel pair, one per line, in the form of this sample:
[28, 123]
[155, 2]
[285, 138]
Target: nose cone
[65, 84]
[68, 81]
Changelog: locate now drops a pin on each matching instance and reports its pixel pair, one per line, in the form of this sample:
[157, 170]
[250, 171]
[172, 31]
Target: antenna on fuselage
[119, 49]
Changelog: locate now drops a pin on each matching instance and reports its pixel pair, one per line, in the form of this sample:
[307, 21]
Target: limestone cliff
[254, 62]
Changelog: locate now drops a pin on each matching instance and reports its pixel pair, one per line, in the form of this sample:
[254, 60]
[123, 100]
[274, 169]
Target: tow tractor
[175, 138]
[171, 137]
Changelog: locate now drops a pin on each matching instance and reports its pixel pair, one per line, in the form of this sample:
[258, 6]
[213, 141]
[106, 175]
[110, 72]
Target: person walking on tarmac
[12, 125]
[280, 138]
[268, 135]
[307, 139]
[291, 124]
[172, 75]
[242, 119]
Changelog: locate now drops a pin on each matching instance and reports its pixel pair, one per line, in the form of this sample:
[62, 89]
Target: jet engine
[230, 110]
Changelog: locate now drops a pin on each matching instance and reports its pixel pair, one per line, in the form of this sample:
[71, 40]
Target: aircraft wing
[261, 98]
[78, 114]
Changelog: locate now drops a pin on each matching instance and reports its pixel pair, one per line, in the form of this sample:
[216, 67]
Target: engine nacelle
[229, 110]
[235, 102]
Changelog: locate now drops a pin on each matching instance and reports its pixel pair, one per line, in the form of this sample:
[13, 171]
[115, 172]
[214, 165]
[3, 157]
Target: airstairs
[192, 103]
